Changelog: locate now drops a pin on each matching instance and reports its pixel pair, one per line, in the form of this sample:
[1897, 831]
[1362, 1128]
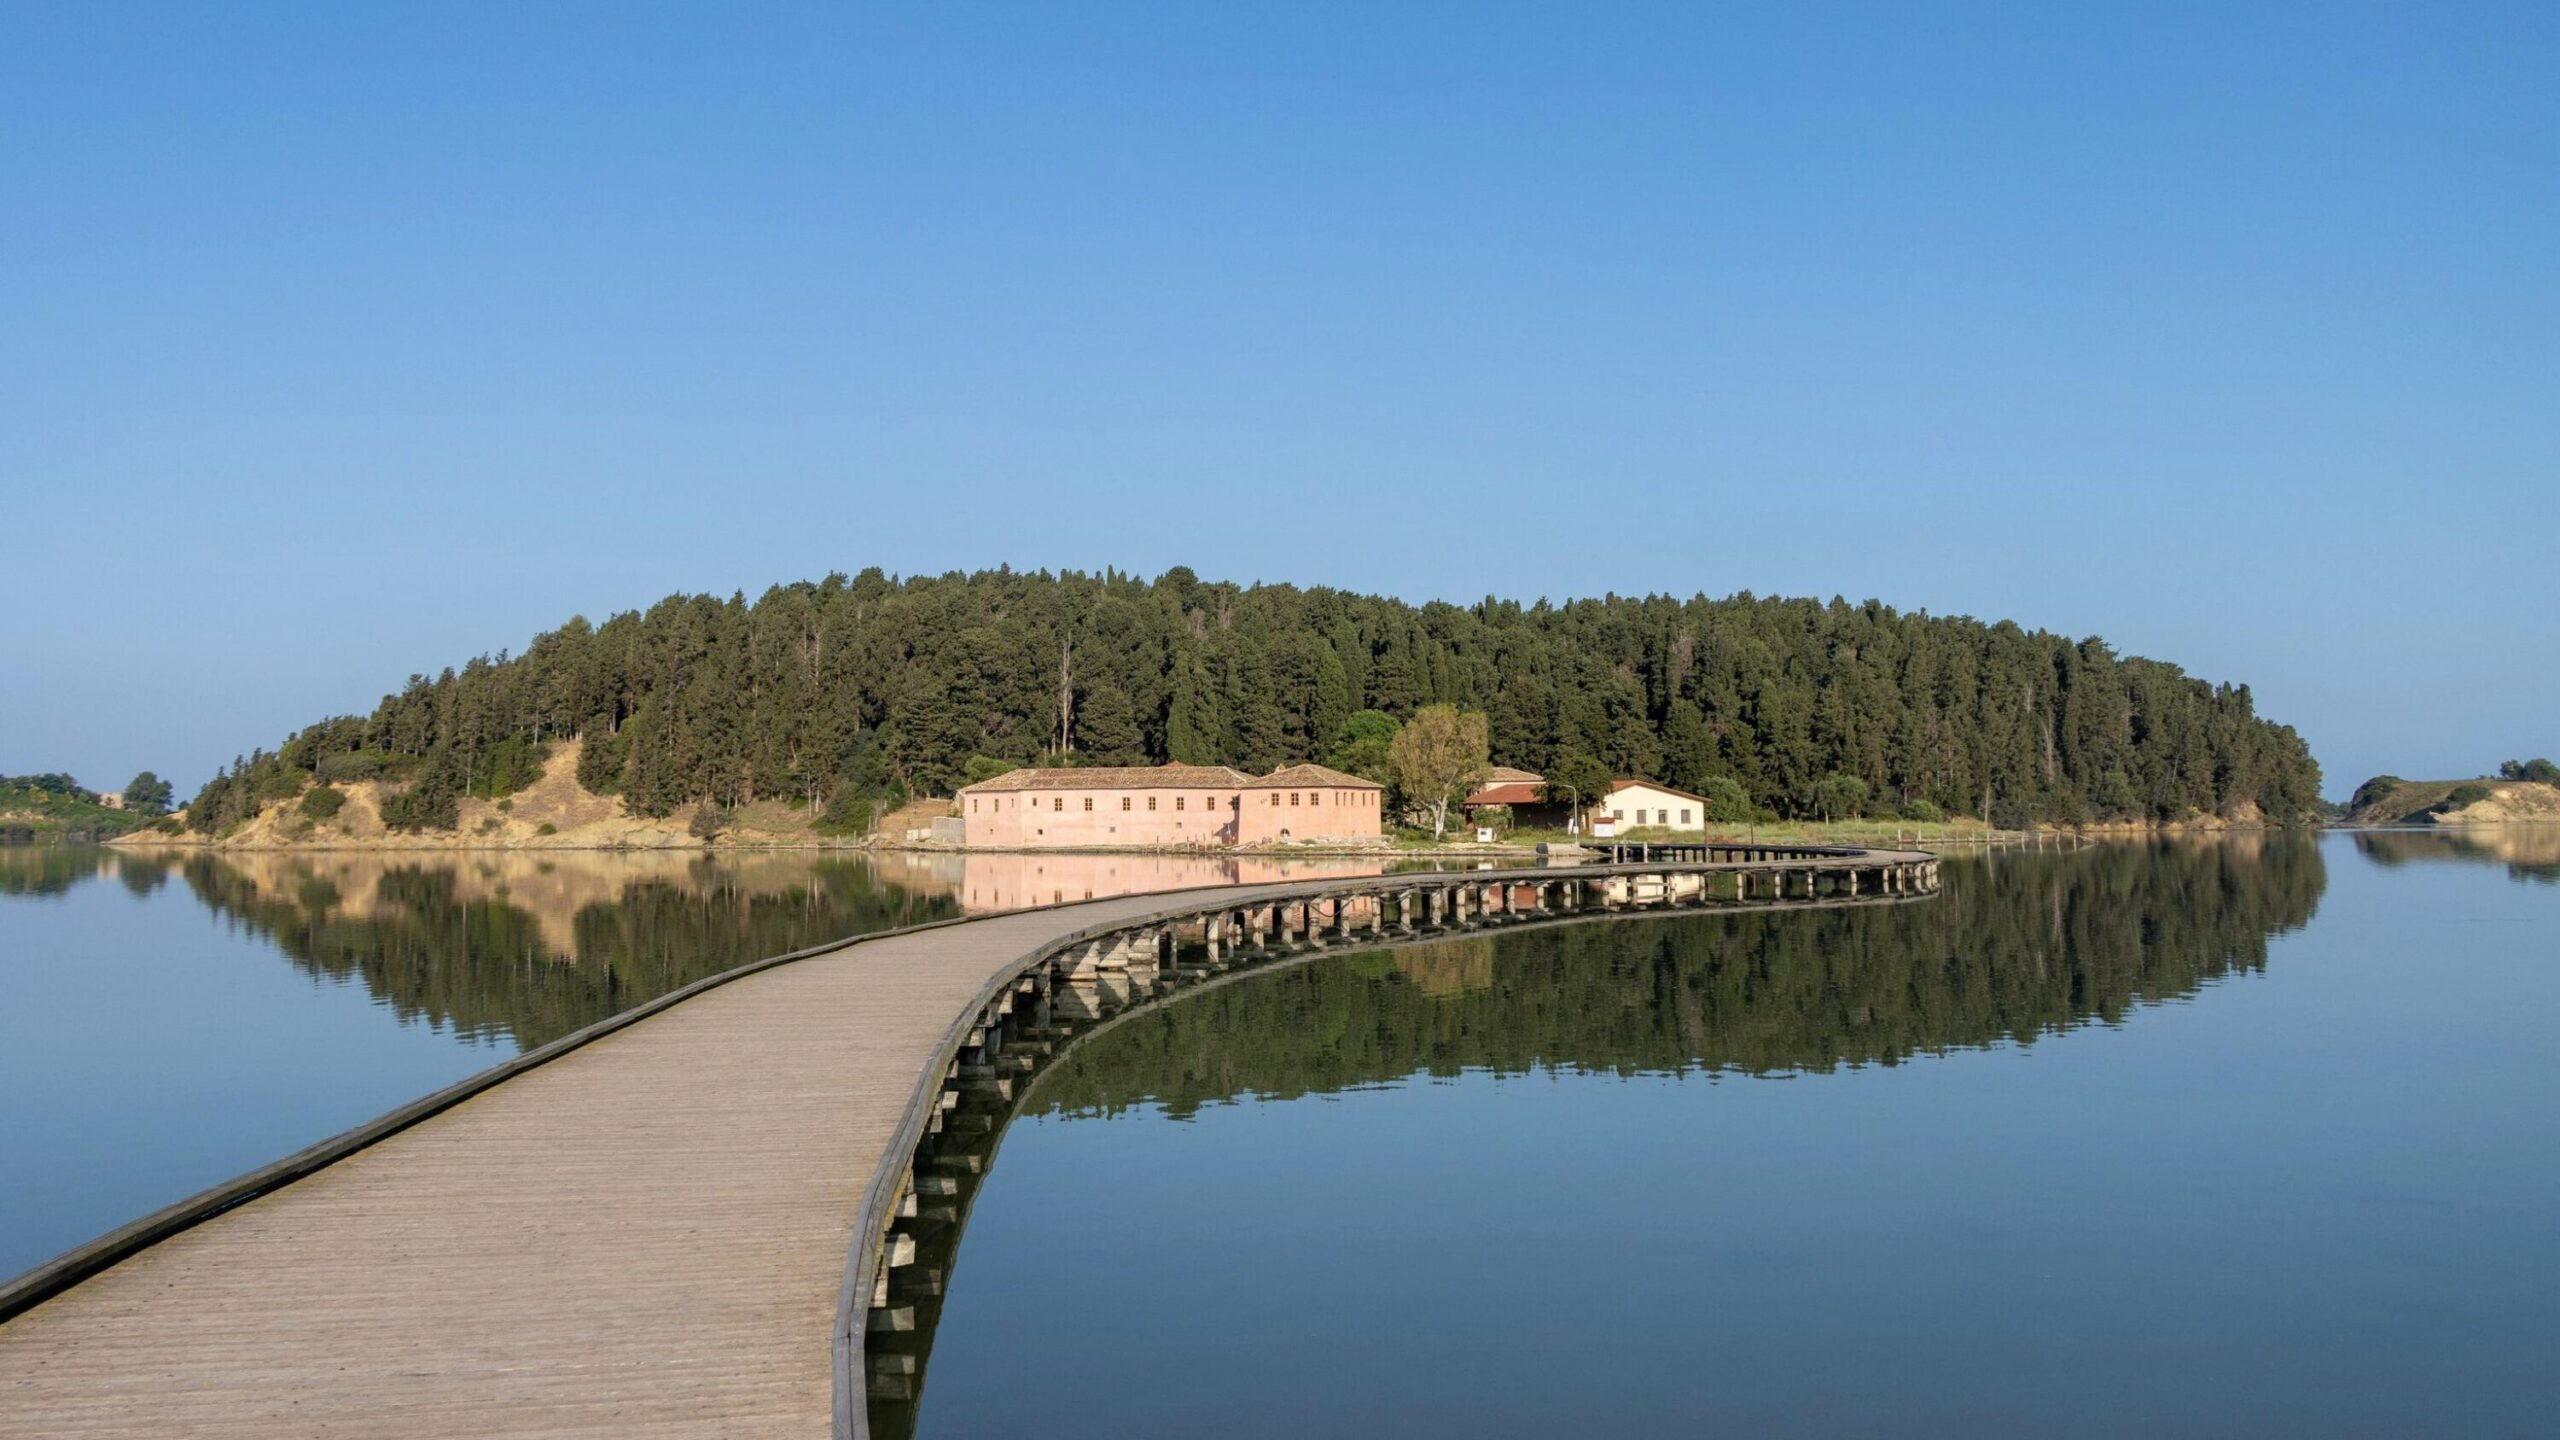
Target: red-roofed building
[1524, 794]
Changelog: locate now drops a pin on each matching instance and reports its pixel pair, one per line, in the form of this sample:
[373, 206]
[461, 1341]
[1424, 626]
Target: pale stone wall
[1101, 816]
[1654, 809]
[1308, 813]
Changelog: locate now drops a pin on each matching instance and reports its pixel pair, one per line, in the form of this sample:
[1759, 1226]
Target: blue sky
[338, 342]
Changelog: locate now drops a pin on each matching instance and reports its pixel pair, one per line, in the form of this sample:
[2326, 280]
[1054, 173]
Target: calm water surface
[168, 1022]
[2240, 1138]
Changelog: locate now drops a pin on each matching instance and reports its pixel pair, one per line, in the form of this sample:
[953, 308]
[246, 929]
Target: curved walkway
[647, 1236]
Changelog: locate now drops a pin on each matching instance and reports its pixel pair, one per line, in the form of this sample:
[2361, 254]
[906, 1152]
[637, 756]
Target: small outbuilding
[1521, 792]
[1644, 804]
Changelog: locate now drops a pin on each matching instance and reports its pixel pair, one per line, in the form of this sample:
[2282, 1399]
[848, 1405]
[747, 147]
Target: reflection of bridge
[649, 1233]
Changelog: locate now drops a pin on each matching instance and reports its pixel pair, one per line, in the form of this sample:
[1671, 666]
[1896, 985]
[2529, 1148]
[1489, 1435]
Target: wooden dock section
[679, 1228]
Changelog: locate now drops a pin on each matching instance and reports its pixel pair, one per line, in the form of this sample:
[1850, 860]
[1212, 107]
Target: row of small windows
[1210, 802]
[1660, 817]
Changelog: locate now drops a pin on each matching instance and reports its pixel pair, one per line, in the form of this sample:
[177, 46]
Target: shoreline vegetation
[819, 707]
[54, 808]
[554, 812]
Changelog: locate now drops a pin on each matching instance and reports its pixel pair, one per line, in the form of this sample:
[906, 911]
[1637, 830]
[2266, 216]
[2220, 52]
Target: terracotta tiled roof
[1617, 785]
[1511, 794]
[1113, 777]
[1513, 775]
[1310, 776]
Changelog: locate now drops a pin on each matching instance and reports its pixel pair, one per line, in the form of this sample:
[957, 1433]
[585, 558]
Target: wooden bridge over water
[702, 1218]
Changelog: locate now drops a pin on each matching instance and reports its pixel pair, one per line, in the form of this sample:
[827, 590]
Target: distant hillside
[2390, 800]
[838, 694]
[551, 810]
[56, 807]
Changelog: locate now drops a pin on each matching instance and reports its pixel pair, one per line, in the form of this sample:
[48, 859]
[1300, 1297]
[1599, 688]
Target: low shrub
[421, 807]
[846, 814]
[1727, 801]
[320, 802]
[506, 767]
[351, 766]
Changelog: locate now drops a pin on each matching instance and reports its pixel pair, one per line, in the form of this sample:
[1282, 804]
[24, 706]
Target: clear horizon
[345, 345]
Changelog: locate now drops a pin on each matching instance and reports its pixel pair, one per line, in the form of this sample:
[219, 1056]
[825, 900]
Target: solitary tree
[147, 793]
[1361, 746]
[1727, 801]
[1839, 795]
[1439, 755]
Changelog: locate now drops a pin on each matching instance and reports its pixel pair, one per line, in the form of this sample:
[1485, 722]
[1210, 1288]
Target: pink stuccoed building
[1167, 805]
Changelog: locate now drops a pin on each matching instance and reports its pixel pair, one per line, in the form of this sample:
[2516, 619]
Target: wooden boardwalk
[647, 1236]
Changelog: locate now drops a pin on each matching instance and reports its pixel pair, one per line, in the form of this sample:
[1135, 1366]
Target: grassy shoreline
[1903, 834]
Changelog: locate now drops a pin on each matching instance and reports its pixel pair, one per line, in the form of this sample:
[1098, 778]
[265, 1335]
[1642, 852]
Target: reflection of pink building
[1159, 805]
[997, 881]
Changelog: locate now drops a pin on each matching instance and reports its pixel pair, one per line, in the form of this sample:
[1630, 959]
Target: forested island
[843, 695]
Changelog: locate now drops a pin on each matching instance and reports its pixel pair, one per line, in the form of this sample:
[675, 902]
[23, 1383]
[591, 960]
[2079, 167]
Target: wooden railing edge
[31, 1288]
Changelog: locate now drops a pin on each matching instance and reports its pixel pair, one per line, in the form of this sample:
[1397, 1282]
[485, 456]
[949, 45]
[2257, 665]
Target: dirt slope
[577, 819]
[2433, 802]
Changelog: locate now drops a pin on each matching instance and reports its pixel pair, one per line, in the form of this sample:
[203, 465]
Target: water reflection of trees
[2018, 946]
[439, 941]
[46, 870]
[2530, 853]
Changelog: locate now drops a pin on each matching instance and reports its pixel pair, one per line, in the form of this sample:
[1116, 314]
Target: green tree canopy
[888, 686]
[148, 794]
[1362, 746]
[1440, 754]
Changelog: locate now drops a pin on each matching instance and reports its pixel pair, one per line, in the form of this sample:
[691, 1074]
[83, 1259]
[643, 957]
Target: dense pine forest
[849, 691]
